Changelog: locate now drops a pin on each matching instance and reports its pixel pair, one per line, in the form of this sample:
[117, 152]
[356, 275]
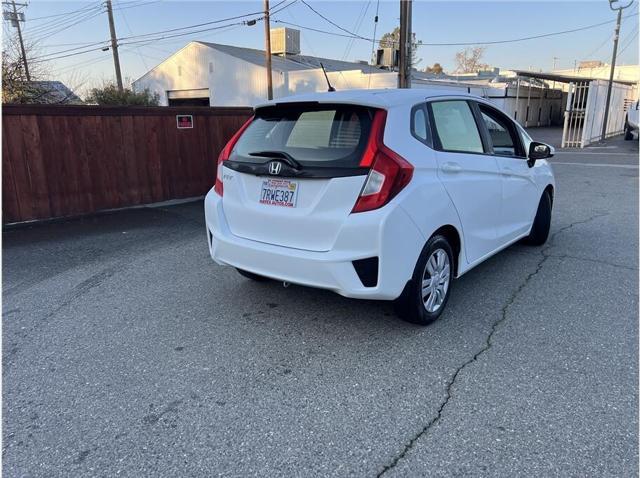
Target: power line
[61, 14]
[197, 25]
[373, 42]
[586, 57]
[356, 27]
[143, 36]
[302, 27]
[53, 24]
[125, 7]
[608, 39]
[354, 35]
[39, 35]
[275, 9]
[176, 35]
[58, 55]
[124, 18]
[136, 39]
[629, 43]
[490, 42]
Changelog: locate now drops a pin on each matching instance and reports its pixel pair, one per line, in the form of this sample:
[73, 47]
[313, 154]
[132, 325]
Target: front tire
[628, 135]
[427, 293]
[542, 222]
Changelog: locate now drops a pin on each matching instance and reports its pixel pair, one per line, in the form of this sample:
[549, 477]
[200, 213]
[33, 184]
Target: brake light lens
[224, 155]
[389, 173]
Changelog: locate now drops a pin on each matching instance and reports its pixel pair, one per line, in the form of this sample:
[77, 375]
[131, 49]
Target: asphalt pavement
[127, 352]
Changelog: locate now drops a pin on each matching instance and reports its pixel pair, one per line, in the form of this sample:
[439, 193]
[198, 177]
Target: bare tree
[436, 69]
[16, 88]
[469, 60]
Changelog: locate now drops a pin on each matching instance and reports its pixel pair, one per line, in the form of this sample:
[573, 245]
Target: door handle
[450, 167]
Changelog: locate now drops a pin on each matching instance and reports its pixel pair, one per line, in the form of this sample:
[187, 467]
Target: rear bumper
[387, 233]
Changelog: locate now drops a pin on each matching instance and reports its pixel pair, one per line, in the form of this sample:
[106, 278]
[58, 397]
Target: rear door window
[455, 127]
[313, 135]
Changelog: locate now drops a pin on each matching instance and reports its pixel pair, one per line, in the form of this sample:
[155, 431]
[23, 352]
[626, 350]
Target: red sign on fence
[184, 121]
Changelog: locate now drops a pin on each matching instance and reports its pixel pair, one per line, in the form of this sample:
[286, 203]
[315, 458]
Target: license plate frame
[279, 192]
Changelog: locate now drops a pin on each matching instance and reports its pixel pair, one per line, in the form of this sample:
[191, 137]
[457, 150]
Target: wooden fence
[62, 161]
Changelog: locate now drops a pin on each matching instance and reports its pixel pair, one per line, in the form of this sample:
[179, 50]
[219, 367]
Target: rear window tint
[317, 135]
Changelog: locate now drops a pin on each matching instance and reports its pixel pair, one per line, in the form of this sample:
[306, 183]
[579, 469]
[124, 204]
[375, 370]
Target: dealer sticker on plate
[279, 192]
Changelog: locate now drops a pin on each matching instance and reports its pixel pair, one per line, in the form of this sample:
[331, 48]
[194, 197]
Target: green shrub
[110, 95]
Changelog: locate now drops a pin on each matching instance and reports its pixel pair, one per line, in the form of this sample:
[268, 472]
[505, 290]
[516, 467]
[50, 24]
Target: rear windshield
[314, 135]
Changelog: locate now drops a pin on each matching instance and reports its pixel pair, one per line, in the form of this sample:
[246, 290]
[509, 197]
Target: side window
[420, 125]
[502, 133]
[456, 127]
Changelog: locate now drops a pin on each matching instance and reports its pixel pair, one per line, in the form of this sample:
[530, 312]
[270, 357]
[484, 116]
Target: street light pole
[267, 49]
[616, 36]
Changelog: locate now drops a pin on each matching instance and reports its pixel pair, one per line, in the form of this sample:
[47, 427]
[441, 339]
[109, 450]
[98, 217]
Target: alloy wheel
[435, 280]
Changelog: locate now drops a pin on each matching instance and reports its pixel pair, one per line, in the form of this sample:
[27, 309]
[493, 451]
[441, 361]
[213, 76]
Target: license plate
[279, 192]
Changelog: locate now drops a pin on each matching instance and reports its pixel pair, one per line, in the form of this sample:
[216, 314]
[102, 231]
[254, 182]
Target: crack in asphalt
[595, 261]
[579, 258]
[544, 255]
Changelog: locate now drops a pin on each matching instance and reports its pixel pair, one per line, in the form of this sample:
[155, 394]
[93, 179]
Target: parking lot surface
[126, 351]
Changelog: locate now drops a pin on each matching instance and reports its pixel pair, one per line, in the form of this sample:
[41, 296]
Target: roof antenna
[331, 88]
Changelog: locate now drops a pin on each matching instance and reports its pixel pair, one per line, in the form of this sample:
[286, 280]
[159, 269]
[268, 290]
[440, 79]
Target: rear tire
[252, 276]
[542, 222]
[426, 295]
[628, 135]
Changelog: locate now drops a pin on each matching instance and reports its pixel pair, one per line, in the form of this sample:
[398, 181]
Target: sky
[433, 22]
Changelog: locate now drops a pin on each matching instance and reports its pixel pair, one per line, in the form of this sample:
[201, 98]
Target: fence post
[567, 113]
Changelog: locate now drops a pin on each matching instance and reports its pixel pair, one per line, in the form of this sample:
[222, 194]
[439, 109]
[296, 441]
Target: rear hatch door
[294, 175]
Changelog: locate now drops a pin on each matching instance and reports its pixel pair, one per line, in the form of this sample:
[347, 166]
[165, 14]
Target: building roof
[563, 78]
[288, 63]
[382, 98]
[53, 92]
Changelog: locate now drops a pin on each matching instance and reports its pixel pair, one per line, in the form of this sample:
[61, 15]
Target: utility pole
[404, 62]
[15, 19]
[267, 49]
[114, 44]
[616, 36]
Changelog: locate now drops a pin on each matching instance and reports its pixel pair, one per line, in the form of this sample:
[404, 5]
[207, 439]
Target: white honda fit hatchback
[377, 194]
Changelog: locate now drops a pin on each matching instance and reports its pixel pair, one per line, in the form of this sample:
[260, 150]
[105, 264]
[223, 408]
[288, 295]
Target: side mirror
[539, 151]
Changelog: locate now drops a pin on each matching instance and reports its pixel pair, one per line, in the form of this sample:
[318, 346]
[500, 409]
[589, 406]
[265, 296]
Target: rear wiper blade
[286, 157]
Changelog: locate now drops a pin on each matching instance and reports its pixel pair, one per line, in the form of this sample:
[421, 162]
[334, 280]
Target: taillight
[224, 155]
[389, 173]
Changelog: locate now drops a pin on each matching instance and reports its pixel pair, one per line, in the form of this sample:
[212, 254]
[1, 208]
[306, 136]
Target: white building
[211, 74]
[601, 71]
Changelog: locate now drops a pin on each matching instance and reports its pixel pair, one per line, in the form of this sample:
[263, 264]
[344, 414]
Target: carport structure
[584, 105]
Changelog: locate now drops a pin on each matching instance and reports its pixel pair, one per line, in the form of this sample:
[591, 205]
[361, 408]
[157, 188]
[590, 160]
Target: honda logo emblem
[275, 167]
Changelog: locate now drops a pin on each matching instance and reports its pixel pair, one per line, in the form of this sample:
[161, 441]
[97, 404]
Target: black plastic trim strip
[286, 171]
